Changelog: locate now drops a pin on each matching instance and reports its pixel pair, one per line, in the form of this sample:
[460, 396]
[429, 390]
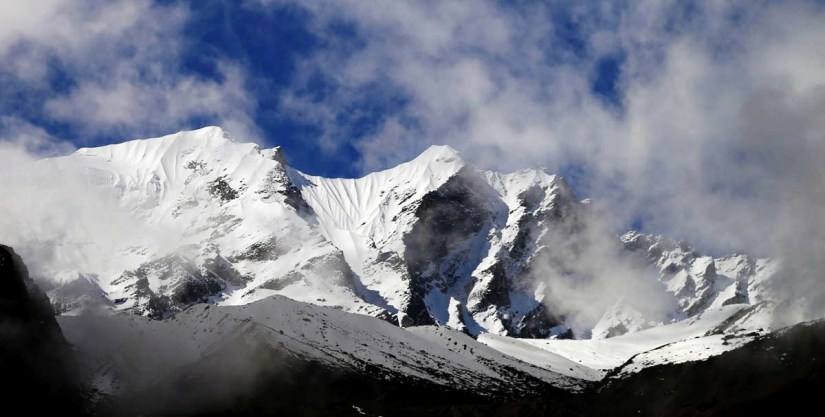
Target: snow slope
[714, 332]
[129, 353]
[367, 217]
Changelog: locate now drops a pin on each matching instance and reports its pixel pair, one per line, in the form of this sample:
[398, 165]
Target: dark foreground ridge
[784, 369]
[773, 375]
[35, 360]
[765, 376]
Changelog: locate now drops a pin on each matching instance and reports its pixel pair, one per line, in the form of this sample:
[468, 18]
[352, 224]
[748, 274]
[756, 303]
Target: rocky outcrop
[164, 286]
[699, 282]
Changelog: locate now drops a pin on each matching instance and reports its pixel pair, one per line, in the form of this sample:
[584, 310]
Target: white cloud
[121, 62]
[505, 89]
[20, 136]
[124, 102]
[718, 138]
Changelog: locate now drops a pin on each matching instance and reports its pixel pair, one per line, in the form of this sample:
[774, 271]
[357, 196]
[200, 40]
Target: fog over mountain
[502, 208]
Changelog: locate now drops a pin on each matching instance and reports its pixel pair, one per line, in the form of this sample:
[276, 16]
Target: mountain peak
[210, 136]
[439, 153]
[212, 131]
[437, 163]
[277, 154]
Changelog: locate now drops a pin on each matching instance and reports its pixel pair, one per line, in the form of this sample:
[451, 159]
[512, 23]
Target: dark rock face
[451, 217]
[295, 200]
[616, 330]
[222, 190]
[536, 324]
[498, 291]
[278, 182]
[536, 219]
[266, 250]
[222, 269]
[279, 284]
[447, 217]
[193, 291]
[35, 359]
[540, 228]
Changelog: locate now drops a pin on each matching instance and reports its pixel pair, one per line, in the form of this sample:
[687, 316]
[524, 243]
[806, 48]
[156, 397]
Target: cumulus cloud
[714, 133]
[505, 87]
[121, 103]
[113, 69]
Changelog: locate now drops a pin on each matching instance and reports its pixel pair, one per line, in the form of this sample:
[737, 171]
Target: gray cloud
[586, 272]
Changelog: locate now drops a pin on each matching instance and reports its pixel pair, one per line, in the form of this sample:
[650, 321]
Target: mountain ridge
[431, 241]
[281, 356]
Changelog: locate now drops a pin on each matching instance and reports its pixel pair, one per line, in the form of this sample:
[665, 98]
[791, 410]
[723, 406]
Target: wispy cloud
[20, 136]
[113, 69]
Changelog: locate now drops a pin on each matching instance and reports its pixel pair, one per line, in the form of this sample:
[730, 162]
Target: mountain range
[196, 257]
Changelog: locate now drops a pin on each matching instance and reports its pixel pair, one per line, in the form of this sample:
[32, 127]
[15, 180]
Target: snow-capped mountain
[223, 223]
[431, 241]
[280, 356]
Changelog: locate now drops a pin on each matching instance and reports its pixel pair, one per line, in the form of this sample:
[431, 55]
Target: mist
[584, 272]
[59, 219]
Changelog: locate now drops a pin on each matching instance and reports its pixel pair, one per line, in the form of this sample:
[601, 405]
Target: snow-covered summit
[208, 137]
[351, 203]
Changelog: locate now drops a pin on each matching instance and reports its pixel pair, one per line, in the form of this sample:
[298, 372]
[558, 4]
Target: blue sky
[655, 108]
[265, 45]
[268, 42]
